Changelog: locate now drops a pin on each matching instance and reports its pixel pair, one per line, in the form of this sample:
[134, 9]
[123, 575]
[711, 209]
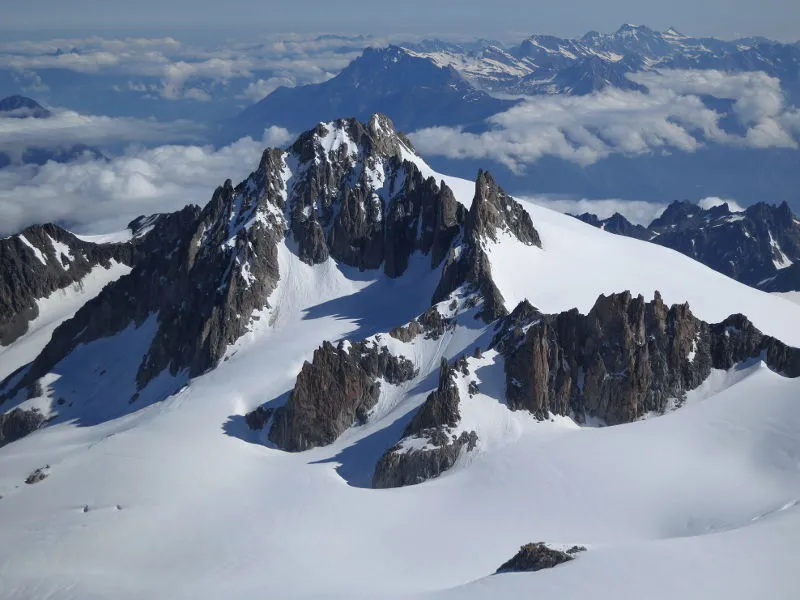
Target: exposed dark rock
[258, 418]
[18, 423]
[399, 467]
[535, 557]
[363, 204]
[334, 391]
[576, 549]
[33, 268]
[38, 475]
[491, 212]
[431, 323]
[625, 358]
[432, 422]
[440, 409]
[618, 224]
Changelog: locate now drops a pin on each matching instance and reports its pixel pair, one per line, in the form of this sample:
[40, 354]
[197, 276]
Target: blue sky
[509, 19]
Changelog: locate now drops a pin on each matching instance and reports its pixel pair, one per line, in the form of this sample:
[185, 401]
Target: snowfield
[177, 500]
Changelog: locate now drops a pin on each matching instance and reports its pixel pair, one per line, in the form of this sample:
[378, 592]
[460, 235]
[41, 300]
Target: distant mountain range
[415, 90]
[759, 246]
[545, 64]
[22, 107]
[453, 82]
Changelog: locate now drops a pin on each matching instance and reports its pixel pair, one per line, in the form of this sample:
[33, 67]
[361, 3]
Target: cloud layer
[170, 69]
[96, 196]
[671, 116]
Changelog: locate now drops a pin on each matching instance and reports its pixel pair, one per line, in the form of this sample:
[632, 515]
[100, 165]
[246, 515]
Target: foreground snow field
[177, 501]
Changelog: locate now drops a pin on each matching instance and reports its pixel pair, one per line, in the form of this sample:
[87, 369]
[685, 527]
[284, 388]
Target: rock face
[431, 324]
[40, 260]
[358, 200]
[202, 278]
[759, 246]
[335, 390]
[432, 424]
[492, 213]
[627, 357]
[44, 258]
[534, 557]
[618, 224]
[18, 423]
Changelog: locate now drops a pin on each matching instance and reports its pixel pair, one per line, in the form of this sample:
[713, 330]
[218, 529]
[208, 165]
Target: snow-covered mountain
[347, 318]
[545, 64]
[390, 80]
[759, 246]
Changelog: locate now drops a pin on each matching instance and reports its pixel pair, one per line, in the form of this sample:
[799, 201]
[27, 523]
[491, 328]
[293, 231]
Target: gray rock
[334, 391]
[492, 211]
[432, 422]
[18, 423]
[535, 557]
[625, 358]
[38, 475]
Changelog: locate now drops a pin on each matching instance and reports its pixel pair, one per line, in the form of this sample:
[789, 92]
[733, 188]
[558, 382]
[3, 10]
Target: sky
[779, 19]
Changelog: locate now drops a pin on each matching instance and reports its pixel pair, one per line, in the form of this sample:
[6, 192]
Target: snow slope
[175, 501]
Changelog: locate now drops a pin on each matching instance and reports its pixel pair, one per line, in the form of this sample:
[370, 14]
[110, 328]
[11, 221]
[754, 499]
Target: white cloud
[95, 196]
[290, 59]
[585, 129]
[67, 128]
[256, 90]
[713, 201]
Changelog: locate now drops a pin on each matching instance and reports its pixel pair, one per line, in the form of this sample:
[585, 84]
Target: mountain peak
[21, 106]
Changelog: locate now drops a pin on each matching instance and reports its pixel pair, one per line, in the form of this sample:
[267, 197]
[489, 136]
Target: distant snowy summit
[455, 82]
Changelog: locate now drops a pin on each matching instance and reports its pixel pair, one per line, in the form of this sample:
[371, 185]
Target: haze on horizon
[503, 19]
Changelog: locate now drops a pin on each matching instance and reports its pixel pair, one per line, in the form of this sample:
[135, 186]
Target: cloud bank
[173, 70]
[96, 196]
[671, 116]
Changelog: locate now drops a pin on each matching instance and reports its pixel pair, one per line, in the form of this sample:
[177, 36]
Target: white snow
[174, 501]
[108, 238]
[62, 250]
[38, 253]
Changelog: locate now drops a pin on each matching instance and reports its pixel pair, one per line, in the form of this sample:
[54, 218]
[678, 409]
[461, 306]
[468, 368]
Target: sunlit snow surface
[176, 501]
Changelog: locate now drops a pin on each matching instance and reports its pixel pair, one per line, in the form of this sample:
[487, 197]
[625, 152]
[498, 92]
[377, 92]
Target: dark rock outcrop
[492, 212]
[37, 475]
[625, 358]
[333, 391]
[18, 423]
[618, 224]
[358, 200]
[535, 557]
[34, 265]
[431, 324]
[432, 424]
[42, 259]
